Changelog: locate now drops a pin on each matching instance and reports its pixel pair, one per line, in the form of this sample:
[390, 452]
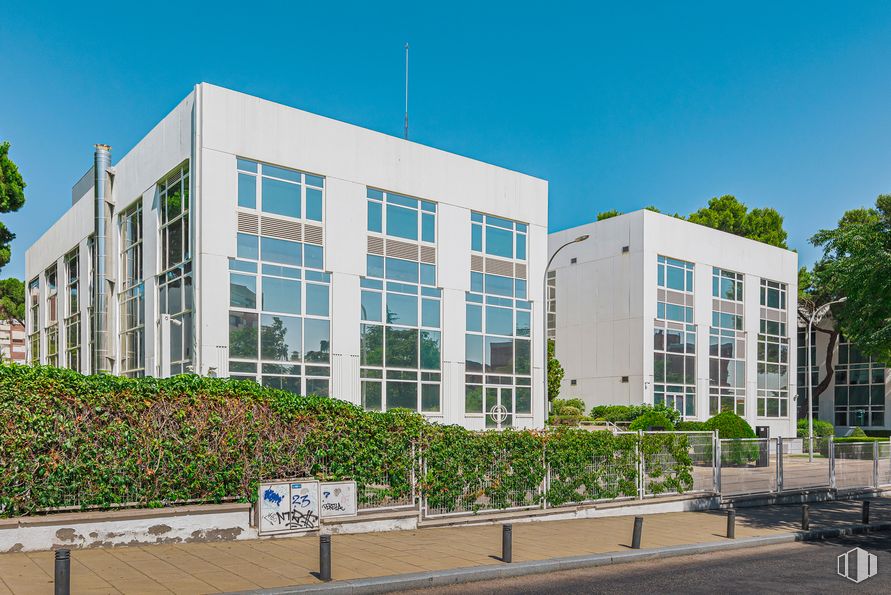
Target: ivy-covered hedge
[84, 441]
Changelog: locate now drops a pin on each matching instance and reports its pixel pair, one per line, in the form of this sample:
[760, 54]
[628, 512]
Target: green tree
[555, 373]
[729, 214]
[12, 300]
[812, 296]
[12, 197]
[608, 214]
[856, 263]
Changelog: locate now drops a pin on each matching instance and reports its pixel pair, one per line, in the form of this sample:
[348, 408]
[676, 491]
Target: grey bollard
[731, 524]
[62, 582]
[507, 548]
[325, 557]
[638, 528]
[866, 512]
[805, 517]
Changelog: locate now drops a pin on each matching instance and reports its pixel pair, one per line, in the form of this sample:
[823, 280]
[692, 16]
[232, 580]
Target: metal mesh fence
[884, 466]
[748, 466]
[664, 473]
[854, 464]
[498, 488]
[798, 470]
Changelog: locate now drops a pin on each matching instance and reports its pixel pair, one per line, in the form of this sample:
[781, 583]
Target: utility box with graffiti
[288, 506]
[339, 499]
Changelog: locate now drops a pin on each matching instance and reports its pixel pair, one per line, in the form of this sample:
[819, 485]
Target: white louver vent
[403, 250]
[247, 223]
[520, 271]
[312, 234]
[499, 267]
[428, 254]
[476, 264]
[281, 228]
[376, 245]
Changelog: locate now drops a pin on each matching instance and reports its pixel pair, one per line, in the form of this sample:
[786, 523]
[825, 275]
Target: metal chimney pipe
[101, 163]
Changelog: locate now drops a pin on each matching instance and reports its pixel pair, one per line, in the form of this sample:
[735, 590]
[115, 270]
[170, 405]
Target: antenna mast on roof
[406, 91]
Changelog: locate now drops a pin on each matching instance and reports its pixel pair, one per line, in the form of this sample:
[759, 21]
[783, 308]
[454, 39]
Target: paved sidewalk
[267, 563]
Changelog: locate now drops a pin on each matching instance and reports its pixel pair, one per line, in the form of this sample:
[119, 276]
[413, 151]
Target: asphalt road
[789, 568]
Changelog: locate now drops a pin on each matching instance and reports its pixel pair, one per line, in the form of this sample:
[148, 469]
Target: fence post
[716, 453]
[875, 464]
[641, 467]
[831, 463]
[779, 463]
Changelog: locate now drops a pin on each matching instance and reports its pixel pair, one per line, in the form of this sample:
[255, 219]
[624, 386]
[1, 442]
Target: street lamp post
[544, 311]
[816, 316]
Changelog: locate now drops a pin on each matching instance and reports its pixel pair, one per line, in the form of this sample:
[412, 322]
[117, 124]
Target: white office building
[654, 309]
[248, 239]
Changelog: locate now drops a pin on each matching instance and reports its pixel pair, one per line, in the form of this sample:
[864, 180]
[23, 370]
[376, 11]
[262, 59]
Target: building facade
[654, 309]
[858, 393]
[246, 239]
[12, 341]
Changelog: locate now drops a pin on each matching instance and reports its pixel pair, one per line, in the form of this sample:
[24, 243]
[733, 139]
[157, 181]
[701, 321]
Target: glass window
[476, 238]
[402, 270]
[473, 399]
[371, 395]
[371, 341]
[402, 309]
[430, 398]
[281, 295]
[247, 191]
[283, 251]
[428, 274]
[499, 321]
[402, 395]
[524, 323]
[474, 318]
[430, 313]
[402, 222]
[375, 266]
[430, 350]
[313, 257]
[498, 285]
[248, 246]
[280, 198]
[314, 204]
[473, 347]
[523, 357]
[371, 306]
[521, 246]
[242, 290]
[316, 339]
[499, 355]
[280, 338]
[243, 334]
[499, 242]
[402, 347]
[374, 216]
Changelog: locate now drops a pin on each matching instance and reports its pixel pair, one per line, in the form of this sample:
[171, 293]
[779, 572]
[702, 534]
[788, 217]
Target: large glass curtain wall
[400, 333]
[773, 352]
[498, 348]
[72, 310]
[674, 338]
[859, 388]
[175, 287]
[132, 293]
[279, 294]
[727, 345]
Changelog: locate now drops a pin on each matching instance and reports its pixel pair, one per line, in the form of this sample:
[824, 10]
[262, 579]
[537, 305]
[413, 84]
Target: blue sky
[618, 105]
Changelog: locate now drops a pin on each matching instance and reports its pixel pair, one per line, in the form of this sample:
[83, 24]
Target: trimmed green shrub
[656, 419]
[857, 433]
[691, 426]
[822, 429]
[617, 413]
[577, 405]
[730, 425]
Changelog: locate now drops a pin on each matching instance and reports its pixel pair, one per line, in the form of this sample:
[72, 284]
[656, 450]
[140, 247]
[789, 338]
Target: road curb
[457, 576]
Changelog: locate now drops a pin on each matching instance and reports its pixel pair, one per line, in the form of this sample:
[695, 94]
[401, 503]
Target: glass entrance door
[499, 407]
